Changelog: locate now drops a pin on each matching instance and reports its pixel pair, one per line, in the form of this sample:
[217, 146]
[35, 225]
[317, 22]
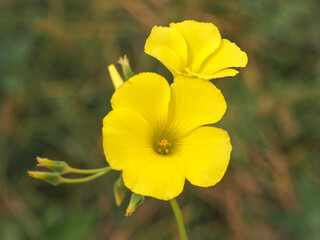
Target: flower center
[163, 146]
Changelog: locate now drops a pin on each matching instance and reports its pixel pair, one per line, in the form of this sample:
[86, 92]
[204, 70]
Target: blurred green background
[55, 91]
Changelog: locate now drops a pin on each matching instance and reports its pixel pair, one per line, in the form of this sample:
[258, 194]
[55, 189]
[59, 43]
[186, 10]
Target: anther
[163, 146]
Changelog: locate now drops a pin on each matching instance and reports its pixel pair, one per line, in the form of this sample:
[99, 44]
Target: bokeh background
[55, 91]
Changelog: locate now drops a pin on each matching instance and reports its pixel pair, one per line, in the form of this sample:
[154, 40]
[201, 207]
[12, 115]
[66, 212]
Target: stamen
[163, 146]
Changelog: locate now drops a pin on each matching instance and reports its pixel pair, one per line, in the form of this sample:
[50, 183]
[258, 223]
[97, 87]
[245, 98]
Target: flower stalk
[85, 179]
[179, 219]
[89, 171]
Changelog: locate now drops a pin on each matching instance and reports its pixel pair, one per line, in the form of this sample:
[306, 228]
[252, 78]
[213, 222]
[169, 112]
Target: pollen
[163, 146]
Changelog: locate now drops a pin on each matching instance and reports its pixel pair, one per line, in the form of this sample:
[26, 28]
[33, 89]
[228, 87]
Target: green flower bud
[135, 201]
[57, 166]
[51, 177]
[127, 71]
[119, 190]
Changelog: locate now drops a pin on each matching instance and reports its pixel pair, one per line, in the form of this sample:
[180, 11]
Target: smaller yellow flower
[156, 134]
[195, 49]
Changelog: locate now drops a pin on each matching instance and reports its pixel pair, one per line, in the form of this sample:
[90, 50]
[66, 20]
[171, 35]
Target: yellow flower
[155, 134]
[195, 49]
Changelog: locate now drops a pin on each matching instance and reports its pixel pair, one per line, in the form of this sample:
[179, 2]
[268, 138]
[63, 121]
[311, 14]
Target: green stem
[88, 171]
[178, 215]
[85, 179]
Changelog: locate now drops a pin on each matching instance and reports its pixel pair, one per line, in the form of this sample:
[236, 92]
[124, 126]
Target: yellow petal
[128, 146]
[115, 76]
[228, 72]
[168, 46]
[227, 55]
[194, 102]
[125, 132]
[146, 93]
[151, 174]
[205, 155]
[168, 58]
[202, 39]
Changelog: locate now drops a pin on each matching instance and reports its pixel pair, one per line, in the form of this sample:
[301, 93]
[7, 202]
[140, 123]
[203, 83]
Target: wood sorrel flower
[195, 49]
[156, 136]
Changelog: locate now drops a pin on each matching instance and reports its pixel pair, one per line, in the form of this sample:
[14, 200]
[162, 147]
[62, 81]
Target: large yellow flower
[155, 134]
[195, 49]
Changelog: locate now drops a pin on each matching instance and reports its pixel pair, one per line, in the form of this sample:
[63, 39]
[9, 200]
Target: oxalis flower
[195, 49]
[156, 136]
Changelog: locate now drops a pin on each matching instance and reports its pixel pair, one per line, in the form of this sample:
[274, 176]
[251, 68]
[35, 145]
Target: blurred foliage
[54, 93]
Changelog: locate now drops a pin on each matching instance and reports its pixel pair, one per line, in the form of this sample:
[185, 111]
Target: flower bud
[127, 71]
[115, 76]
[135, 201]
[51, 177]
[57, 166]
[119, 190]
